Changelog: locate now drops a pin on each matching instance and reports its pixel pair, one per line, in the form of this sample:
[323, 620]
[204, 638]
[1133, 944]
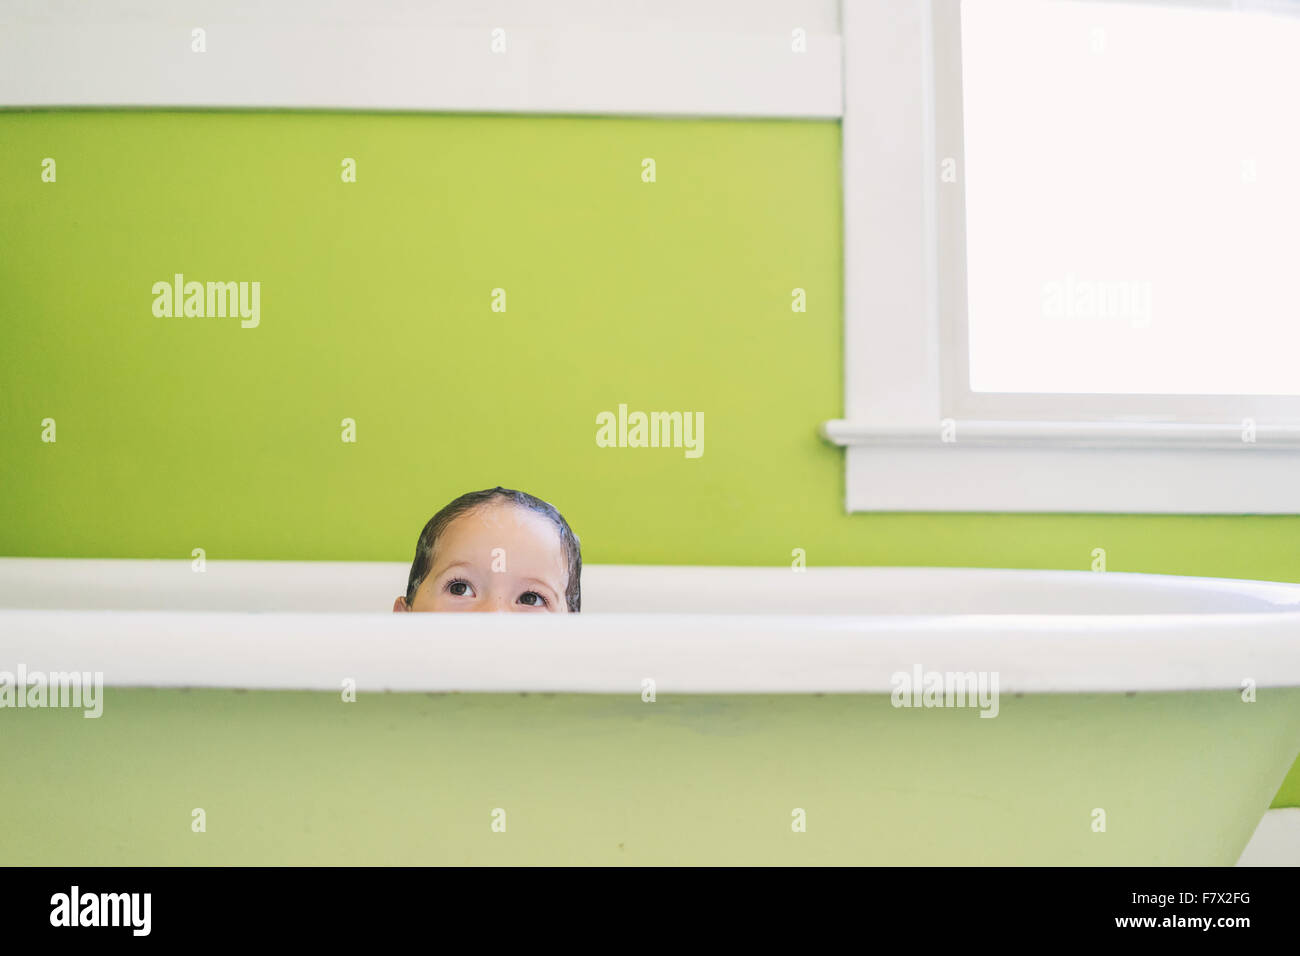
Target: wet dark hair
[424, 547]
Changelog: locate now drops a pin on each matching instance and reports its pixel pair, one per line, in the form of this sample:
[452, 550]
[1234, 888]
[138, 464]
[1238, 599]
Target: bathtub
[688, 715]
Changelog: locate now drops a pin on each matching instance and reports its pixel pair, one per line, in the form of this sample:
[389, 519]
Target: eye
[460, 587]
[532, 599]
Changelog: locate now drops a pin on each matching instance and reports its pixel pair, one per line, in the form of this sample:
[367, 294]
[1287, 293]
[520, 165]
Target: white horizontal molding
[1037, 434]
[421, 64]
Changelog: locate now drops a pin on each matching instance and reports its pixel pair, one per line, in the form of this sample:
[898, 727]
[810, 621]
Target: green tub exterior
[305, 778]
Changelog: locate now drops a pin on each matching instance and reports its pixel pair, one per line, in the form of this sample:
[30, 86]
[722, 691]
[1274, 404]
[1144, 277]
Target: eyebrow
[458, 564]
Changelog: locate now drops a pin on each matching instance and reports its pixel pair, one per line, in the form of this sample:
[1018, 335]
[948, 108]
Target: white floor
[1276, 841]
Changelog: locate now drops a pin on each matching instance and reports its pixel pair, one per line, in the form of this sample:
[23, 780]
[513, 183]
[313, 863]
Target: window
[1085, 265]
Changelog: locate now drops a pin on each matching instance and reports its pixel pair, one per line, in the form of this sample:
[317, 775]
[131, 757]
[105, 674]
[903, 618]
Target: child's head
[495, 550]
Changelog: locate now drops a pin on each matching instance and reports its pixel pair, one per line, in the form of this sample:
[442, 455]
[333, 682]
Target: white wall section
[673, 57]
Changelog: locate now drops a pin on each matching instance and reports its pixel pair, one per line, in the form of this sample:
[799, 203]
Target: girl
[495, 550]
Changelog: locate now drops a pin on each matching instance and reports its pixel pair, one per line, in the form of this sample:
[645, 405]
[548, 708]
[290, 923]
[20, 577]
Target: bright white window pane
[1132, 198]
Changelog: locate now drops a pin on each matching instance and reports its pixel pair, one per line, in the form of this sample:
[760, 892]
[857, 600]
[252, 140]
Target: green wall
[177, 433]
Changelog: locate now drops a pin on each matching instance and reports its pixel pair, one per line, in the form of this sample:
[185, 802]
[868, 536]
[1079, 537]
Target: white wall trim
[674, 60]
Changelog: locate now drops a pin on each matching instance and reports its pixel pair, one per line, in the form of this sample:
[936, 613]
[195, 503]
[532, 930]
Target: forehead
[528, 538]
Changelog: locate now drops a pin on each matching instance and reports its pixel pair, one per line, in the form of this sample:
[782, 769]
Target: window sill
[1148, 435]
[1075, 467]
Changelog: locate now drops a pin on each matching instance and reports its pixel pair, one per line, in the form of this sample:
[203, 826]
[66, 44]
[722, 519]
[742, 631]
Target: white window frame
[914, 443]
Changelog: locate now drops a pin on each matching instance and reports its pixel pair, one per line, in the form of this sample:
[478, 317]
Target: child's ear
[400, 605]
